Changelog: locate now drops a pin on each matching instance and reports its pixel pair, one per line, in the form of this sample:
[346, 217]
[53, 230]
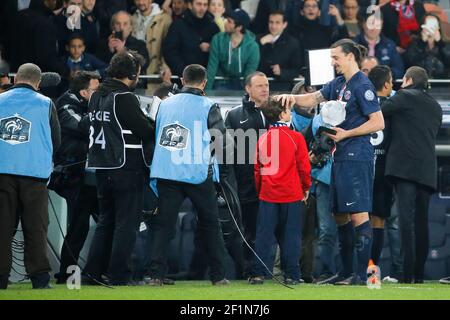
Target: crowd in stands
[68, 35]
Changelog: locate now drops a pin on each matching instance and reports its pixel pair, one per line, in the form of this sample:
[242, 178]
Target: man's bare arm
[374, 124]
[305, 101]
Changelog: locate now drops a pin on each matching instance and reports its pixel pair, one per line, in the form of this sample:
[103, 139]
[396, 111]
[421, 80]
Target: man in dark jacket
[252, 124]
[415, 118]
[188, 39]
[68, 176]
[313, 35]
[34, 38]
[118, 133]
[280, 53]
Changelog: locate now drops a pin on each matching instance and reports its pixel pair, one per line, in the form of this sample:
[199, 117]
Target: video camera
[332, 113]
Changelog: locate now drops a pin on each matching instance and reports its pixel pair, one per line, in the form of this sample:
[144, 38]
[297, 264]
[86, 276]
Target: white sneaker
[390, 280]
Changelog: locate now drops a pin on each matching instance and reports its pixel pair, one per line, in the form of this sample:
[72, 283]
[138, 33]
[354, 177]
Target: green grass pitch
[237, 290]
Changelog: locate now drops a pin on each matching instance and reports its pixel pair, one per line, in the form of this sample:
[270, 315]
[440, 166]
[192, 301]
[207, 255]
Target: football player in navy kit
[353, 167]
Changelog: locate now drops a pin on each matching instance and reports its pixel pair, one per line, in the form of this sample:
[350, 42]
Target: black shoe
[4, 282]
[353, 280]
[328, 278]
[292, 282]
[168, 282]
[92, 281]
[223, 282]
[445, 280]
[256, 280]
[41, 281]
[155, 282]
[307, 280]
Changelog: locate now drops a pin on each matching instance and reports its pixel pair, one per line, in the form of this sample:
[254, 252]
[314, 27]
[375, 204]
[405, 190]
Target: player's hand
[340, 135]
[287, 100]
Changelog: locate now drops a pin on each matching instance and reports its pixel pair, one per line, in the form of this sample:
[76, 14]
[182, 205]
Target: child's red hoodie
[282, 168]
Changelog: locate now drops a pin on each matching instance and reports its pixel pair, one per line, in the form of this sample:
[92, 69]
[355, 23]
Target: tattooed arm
[306, 101]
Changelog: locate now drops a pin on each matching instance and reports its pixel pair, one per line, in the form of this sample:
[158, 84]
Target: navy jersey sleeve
[328, 91]
[367, 99]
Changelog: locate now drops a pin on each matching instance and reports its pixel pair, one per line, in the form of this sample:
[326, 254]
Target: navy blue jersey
[360, 100]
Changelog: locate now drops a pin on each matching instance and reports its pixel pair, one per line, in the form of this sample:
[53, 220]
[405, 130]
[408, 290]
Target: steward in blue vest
[184, 166]
[29, 134]
[117, 133]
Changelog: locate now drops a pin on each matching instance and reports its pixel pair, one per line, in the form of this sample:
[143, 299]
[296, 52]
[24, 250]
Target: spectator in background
[265, 7]
[104, 10]
[188, 39]
[380, 46]
[121, 39]
[218, 8]
[151, 24]
[175, 8]
[280, 53]
[310, 33]
[34, 38]
[402, 21]
[87, 27]
[351, 10]
[368, 63]
[429, 51]
[233, 54]
[79, 60]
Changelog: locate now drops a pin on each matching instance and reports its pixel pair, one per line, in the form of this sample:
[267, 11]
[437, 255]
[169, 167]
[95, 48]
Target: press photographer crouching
[70, 162]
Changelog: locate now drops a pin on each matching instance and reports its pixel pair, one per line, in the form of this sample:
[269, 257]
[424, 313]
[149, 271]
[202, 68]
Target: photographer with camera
[70, 162]
[353, 166]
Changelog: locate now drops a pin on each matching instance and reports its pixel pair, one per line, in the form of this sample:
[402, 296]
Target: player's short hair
[379, 75]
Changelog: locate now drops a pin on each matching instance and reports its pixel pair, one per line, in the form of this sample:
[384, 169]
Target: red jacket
[282, 168]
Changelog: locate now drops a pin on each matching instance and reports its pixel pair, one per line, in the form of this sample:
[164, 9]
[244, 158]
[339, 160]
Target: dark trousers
[81, 204]
[413, 202]
[249, 216]
[32, 196]
[120, 203]
[204, 199]
[308, 240]
[280, 222]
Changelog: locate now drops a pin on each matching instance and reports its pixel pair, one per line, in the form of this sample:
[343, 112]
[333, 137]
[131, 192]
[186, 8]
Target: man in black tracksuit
[250, 119]
[415, 118]
[118, 133]
[68, 177]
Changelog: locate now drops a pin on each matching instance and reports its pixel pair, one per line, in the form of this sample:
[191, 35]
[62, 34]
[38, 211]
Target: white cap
[333, 113]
